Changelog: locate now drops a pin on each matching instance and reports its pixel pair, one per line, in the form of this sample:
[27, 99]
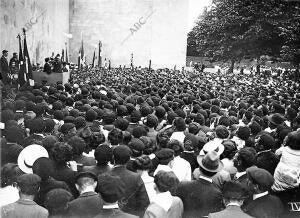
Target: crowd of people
[147, 143]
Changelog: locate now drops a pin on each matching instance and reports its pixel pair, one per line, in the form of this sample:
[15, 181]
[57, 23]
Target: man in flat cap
[233, 196]
[89, 203]
[264, 204]
[5, 70]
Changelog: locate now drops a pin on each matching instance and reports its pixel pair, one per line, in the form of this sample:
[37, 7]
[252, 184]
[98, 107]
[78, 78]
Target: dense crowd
[152, 143]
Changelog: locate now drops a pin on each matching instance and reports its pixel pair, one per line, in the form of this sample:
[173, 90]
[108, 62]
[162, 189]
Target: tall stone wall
[148, 29]
[46, 22]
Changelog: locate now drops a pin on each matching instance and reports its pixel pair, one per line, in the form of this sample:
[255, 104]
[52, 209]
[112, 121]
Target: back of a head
[43, 167]
[56, 201]
[78, 145]
[115, 136]
[103, 154]
[9, 174]
[111, 188]
[121, 154]
[293, 140]
[166, 181]
[29, 184]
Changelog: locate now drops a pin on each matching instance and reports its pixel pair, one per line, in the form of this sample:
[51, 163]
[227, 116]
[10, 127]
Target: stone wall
[46, 21]
[150, 29]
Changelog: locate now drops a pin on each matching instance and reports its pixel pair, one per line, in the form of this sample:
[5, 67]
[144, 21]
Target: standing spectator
[111, 189]
[28, 185]
[164, 205]
[135, 198]
[264, 204]
[233, 197]
[47, 66]
[56, 202]
[5, 71]
[201, 197]
[89, 203]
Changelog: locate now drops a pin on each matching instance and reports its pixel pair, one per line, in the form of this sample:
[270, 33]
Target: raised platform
[40, 77]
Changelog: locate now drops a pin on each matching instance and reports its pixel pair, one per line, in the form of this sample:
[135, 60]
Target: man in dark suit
[135, 198]
[233, 197]
[264, 204]
[201, 197]
[111, 189]
[47, 66]
[89, 203]
[5, 70]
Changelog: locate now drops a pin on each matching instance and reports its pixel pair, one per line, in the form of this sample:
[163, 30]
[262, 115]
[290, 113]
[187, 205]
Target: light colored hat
[213, 145]
[29, 155]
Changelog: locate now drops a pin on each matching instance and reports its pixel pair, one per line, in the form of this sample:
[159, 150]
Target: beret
[261, 177]
[66, 127]
[136, 145]
[165, 155]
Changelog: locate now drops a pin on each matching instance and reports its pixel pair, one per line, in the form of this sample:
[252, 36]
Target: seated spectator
[164, 205]
[28, 185]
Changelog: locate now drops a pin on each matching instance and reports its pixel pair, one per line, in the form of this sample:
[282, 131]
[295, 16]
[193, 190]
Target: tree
[235, 29]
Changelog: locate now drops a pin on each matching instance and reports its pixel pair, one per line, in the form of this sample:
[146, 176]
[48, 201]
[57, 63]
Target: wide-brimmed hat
[213, 145]
[210, 162]
[29, 155]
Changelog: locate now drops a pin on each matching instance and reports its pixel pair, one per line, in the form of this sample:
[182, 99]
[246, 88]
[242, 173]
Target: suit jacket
[85, 161]
[230, 212]
[135, 199]
[268, 206]
[88, 204]
[199, 197]
[4, 69]
[23, 209]
[47, 186]
[97, 170]
[47, 68]
[117, 213]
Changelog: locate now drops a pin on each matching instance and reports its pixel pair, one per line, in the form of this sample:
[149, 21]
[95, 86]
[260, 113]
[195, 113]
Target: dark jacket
[97, 170]
[268, 206]
[47, 68]
[199, 197]
[135, 199]
[191, 158]
[47, 186]
[88, 204]
[4, 67]
[230, 212]
[64, 173]
[267, 160]
[117, 213]
[85, 161]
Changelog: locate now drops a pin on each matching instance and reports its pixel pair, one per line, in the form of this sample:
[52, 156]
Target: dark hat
[49, 125]
[145, 110]
[152, 121]
[261, 177]
[122, 110]
[79, 122]
[190, 142]
[136, 145]
[210, 162]
[86, 175]
[135, 116]
[194, 127]
[276, 119]
[12, 152]
[121, 123]
[109, 117]
[15, 134]
[91, 115]
[122, 153]
[160, 111]
[4, 51]
[234, 191]
[37, 125]
[243, 132]
[165, 155]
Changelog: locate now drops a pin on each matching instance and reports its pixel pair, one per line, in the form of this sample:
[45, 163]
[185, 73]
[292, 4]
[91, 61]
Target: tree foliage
[237, 29]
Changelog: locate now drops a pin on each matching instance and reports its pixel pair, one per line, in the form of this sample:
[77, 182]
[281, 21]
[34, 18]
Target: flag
[21, 74]
[109, 65]
[150, 64]
[131, 61]
[79, 59]
[94, 56]
[67, 58]
[99, 55]
[27, 63]
[62, 55]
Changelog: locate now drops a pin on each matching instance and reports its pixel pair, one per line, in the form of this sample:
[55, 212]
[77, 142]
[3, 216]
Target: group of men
[152, 143]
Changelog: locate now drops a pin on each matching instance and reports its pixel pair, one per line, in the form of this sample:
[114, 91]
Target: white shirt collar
[233, 204]
[239, 174]
[111, 206]
[206, 178]
[255, 196]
